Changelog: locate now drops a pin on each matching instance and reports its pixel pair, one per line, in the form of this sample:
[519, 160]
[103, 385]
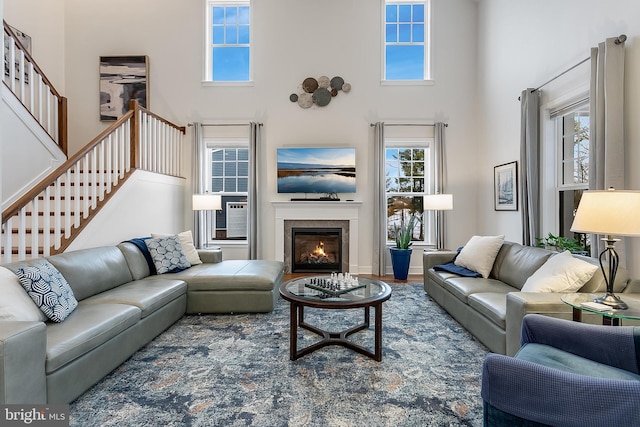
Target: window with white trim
[228, 41]
[408, 176]
[228, 170]
[572, 146]
[406, 41]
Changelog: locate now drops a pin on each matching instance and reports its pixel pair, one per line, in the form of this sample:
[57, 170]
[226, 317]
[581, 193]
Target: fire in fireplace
[316, 250]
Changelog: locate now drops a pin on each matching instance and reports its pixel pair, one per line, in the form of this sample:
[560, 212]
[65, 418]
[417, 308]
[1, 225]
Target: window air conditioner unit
[236, 219]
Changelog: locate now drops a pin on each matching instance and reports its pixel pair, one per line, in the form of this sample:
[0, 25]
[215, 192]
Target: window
[229, 177]
[572, 135]
[406, 31]
[228, 37]
[408, 177]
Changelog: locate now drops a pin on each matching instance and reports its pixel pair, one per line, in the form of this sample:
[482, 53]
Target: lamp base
[612, 301]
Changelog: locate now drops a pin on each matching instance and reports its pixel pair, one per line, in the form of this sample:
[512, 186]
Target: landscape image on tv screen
[316, 170]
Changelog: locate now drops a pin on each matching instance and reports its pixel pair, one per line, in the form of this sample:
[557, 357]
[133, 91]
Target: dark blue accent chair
[566, 374]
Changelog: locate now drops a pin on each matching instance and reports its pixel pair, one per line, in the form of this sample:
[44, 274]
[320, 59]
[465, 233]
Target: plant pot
[400, 260]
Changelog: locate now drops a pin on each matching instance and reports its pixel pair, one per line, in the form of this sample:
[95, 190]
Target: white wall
[22, 138]
[293, 39]
[525, 43]
[147, 203]
[44, 22]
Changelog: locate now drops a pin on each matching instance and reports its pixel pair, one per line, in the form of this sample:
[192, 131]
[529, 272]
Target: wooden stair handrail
[8, 29]
[63, 139]
[51, 178]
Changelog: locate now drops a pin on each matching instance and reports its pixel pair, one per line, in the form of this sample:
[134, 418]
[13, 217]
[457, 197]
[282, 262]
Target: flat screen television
[316, 170]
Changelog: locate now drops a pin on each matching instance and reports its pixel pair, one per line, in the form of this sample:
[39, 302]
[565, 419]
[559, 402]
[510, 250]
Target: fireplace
[316, 250]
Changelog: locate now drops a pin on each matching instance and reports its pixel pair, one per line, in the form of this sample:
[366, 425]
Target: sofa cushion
[15, 303]
[462, 287]
[493, 305]
[555, 358]
[89, 326]
[237, 275]
[146, 294]
[186, 239]
[560, 273]
[94, 270]
[167, 254]
[48, 289]
[515, 263]
[479, 254]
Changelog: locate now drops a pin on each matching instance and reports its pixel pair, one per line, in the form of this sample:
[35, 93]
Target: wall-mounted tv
[316, 170]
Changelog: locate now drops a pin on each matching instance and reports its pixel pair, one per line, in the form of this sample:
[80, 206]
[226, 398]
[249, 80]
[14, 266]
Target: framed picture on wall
[122, 78]
[505, 187]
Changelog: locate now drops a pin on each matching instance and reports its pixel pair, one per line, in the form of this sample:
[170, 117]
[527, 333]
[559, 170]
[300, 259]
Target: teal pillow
[167, 254]
[48, 289]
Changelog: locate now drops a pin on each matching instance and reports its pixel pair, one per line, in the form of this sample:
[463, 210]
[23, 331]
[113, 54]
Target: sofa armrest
[633, 287]
[520, 304]
[431, 258]
[210, 255]
[22, 362]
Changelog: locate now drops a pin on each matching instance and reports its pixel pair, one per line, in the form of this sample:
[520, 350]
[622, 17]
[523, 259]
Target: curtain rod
[620, 39]
[224, 124]
[409, 124]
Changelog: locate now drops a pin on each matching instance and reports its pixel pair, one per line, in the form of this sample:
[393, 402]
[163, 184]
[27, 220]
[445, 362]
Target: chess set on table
[334, 285]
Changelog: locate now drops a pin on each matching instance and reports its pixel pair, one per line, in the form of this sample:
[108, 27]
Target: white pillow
[186, 240]
[560, 273]
[15, 303]
[479, 254]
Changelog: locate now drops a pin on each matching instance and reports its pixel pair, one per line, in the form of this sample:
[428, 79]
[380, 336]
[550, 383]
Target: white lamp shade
[438, 202]
[207, 202]
[610, 212]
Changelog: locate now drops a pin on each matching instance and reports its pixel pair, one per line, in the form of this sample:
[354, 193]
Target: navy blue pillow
[451, 267]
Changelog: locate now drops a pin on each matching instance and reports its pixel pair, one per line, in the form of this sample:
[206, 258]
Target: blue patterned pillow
[167, 254]
[48, 289]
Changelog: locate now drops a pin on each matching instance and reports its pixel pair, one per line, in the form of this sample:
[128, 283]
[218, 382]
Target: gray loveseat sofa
[492, 309]
[121, 307]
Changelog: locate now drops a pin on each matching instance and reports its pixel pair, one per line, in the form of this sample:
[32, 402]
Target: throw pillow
[186, 239]
[167, 254]
[15, 303]
[48, 289]
[560, 273]
[479, 254]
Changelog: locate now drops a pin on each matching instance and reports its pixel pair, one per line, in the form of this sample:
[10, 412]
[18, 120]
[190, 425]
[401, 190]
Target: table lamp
[206, 202]
[438, 202]
[609, 213]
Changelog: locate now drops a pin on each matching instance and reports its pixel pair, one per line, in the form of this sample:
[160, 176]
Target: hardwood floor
[388, 278]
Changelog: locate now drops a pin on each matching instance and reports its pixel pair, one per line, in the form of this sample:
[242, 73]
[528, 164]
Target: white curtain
[253, 200]
[198, 176]
[440, 179]
[379, 203]
[530, 165]
[606, 155]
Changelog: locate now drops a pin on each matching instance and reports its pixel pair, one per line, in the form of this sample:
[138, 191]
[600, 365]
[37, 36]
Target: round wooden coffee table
[300, 295]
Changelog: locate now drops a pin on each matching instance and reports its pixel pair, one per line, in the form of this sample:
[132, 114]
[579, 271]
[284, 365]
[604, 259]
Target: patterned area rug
[234, 370]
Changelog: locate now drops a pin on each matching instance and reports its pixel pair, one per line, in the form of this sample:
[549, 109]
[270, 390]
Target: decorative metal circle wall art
[319, 91]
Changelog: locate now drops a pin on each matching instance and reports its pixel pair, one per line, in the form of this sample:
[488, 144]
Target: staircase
[47, 218]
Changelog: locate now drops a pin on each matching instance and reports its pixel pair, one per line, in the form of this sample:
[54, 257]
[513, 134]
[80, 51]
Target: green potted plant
[401, 253]
[561, 244]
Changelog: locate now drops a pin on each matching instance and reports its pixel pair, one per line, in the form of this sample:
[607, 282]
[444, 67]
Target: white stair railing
[47, 219]
[32, 88]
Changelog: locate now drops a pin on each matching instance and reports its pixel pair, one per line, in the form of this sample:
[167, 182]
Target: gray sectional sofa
[492, 309]
[121, 307]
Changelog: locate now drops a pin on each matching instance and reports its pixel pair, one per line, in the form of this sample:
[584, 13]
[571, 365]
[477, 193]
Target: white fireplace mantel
[319, 210]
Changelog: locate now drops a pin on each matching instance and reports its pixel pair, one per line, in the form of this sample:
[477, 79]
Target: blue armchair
[566, 374]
